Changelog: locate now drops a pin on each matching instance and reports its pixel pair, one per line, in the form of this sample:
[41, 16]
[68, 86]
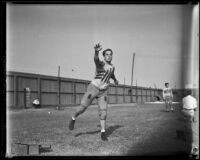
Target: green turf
[143, 129]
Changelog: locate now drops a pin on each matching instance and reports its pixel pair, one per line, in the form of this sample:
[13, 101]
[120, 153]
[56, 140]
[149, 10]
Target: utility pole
[132, 69]
[132, 79]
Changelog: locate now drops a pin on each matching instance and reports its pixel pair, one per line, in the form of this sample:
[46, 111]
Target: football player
[168, 97]
[98, 88]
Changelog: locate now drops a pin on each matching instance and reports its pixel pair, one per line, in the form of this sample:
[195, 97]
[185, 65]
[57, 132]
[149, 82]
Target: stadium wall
[51, 91]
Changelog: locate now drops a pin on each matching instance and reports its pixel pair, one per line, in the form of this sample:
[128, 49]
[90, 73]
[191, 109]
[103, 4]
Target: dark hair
[166, 83]
[188, 92]
[107, 50]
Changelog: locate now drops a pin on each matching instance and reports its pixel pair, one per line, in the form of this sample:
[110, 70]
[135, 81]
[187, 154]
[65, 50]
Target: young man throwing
[168, 97]
[98, 88]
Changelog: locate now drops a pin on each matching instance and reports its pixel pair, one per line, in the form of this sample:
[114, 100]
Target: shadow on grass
[164, 110]
[83, 133]
[109, 130]
[164, 141]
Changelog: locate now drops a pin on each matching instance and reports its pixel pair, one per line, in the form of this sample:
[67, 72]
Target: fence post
[74, 92]
[124, 94]
[136, 92]
[150, 95]
[146, 95]
[58, 93]
[15, 90]
[39, 91]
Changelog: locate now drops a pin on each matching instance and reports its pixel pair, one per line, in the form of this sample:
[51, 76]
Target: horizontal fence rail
[52, 90]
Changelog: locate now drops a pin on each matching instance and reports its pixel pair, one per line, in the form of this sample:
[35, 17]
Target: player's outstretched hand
[97, 47]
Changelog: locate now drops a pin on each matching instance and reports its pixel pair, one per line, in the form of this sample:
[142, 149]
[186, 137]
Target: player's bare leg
[85, 102]
[102, 116]
[79, 111]
[103, 131]
[102, 102]
[103, 125]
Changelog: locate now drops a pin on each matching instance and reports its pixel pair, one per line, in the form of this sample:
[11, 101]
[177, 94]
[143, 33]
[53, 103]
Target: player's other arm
[114, 78]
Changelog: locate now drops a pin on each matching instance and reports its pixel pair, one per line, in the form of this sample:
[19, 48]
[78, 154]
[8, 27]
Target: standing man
[98, 88]
[168, 97]
[189, 112]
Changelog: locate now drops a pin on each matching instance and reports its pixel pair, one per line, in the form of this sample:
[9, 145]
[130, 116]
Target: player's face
[167, 85]
[108, 56]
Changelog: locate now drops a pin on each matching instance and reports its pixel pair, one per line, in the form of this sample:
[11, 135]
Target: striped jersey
[167, 93]
[104, 72]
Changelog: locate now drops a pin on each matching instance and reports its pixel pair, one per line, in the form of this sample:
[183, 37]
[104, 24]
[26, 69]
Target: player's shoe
[71, 124]
[103, 136]
[172, 109]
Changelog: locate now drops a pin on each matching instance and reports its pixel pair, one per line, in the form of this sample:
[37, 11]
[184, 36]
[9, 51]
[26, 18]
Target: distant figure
[157, 98]
[98, 89]
[168, 97]
[36, 103]
[189, 108]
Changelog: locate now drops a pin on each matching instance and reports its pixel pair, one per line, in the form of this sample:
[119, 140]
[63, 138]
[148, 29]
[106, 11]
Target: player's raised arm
[97, 48]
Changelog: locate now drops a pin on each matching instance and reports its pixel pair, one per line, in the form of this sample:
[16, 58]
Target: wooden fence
[52, 90]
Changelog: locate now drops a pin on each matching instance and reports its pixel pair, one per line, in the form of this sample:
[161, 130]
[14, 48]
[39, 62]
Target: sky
[42, 37]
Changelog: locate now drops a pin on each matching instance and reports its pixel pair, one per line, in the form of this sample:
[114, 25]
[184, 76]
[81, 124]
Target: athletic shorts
[168, 100]
[92, 93]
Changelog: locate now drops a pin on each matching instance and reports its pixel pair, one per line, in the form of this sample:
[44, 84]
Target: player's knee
[102, 114]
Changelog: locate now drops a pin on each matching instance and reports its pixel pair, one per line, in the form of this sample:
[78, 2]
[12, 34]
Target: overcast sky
[42, 37]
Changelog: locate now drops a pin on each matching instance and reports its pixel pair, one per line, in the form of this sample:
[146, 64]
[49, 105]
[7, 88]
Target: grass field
[133, 129]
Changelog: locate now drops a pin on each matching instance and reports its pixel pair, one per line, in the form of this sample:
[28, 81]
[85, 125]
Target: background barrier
[51, 90]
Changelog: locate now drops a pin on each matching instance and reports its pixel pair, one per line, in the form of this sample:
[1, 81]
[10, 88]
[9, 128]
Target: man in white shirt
[189, 105]
[168, 97]
[189, 108]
